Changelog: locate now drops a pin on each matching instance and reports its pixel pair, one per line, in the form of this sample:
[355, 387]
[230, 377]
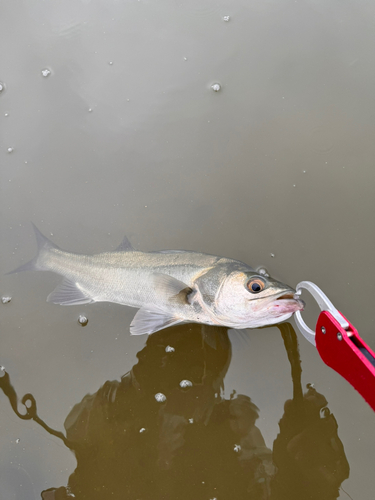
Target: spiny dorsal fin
[125, 246]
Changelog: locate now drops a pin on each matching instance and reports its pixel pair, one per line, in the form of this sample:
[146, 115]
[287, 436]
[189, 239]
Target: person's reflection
[196, 444]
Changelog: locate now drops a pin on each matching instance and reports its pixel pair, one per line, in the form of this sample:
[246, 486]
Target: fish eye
[255, 285]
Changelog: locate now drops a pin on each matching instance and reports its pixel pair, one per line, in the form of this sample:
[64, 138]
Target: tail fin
[44, 244]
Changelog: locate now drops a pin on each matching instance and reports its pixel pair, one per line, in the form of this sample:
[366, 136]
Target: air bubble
[10, 150]
[226, 18]
[2, 87]
[169, 348]
[18, 440]
[185, 384]
[46, 72]
[6, 114]
[272, 255]
[185, 58]
[160, 398]
[90, 110]
[142, 430]
[263, 271]
[82, 320]
[216, 87]
[110, 63]
[237, 448]
[2, 368]
[191, 421]
[6, 300]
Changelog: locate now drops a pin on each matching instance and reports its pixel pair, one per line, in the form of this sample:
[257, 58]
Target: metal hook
[325, 305]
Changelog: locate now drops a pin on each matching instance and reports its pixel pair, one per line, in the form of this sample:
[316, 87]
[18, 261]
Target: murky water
[237, 128]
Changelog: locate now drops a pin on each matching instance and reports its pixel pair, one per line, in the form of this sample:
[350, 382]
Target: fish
[167, 286]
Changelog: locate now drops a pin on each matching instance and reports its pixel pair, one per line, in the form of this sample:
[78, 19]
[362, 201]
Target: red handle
[345, 352]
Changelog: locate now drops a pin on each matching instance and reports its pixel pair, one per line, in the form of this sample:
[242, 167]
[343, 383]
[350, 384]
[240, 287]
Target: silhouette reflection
[195, 444]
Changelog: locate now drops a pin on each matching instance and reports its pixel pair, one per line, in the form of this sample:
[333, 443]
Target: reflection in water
[194, 443]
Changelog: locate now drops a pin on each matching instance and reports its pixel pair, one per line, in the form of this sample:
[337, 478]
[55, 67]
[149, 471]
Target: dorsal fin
[125, 246]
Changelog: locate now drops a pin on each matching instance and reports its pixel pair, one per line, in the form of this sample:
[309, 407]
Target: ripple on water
[322, 141]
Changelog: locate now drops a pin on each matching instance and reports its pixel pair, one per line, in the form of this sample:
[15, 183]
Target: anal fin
[68, 294]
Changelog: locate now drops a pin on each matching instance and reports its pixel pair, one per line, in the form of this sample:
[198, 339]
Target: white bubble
[110, 63]
[90, 110]
[186, 383]
[6, 299]
[6, 114]
[46, 72]
[191, 421]
[185, 58]
[169, 348]
[142, 430]
[18, 440]
[10, 150]
[2, 368]
[226, 18]
[263, 271]
[82, 320]
[160, 398]
[294, 185]
[2, 86]
[237, 448]
[216, 87]
[272, 255]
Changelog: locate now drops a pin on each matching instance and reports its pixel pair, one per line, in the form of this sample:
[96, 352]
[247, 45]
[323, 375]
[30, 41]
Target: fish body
[169, 287]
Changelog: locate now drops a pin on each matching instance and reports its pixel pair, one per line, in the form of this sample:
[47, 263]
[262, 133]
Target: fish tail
[36, 264]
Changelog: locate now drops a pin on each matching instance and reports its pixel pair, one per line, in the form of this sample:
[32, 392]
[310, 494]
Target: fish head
[250, 300]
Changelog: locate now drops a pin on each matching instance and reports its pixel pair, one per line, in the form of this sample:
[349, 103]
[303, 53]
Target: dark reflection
[196, 444]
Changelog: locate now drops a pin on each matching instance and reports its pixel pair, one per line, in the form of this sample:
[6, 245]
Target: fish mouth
[292, 299]
[286, 296]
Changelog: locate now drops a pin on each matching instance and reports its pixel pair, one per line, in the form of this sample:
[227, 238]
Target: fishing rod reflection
[166, 431]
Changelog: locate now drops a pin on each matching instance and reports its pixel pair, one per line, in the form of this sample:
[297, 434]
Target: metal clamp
[325, 305]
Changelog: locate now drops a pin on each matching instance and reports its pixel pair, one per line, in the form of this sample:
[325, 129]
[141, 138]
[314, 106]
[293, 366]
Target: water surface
[109, 125]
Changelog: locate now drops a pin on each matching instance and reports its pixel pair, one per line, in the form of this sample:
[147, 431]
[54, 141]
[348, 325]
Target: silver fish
[168, 287]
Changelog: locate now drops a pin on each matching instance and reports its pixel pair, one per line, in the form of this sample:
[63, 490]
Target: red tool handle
[345, 352]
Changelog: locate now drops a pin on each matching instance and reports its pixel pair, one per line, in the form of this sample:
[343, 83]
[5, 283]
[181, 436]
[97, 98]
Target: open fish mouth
[287, 296]
[291, 301]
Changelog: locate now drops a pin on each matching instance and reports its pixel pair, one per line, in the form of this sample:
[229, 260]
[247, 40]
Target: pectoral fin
[171, 288]
[150, 320]
[68, 294]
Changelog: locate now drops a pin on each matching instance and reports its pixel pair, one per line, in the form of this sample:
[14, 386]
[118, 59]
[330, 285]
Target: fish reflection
[194, 443]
